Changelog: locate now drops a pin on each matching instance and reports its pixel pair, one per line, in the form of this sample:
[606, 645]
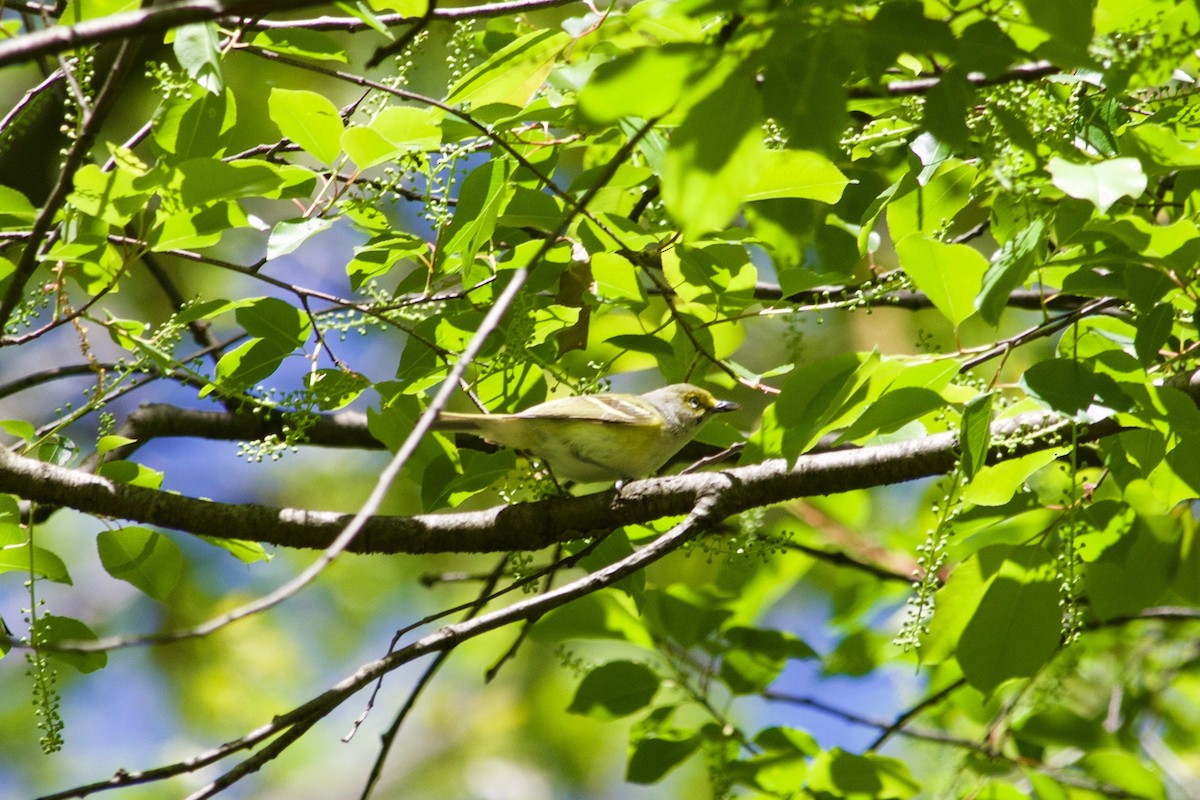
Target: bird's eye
[694, 402]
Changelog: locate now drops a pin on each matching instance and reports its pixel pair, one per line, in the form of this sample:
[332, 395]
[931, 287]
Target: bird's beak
[725, 405]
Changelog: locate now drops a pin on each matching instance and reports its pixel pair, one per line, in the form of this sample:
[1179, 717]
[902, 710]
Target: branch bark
[135, 24]
[532, 526]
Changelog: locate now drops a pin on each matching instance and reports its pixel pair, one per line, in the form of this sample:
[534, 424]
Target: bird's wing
[610, 409]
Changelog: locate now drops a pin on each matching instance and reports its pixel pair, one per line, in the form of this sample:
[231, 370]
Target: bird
[599, 437]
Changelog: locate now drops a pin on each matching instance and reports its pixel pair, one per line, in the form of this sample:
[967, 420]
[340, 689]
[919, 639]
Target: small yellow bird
[599, 437]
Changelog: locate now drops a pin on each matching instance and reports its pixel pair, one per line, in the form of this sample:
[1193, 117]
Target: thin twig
[389, 736]
[707, 512]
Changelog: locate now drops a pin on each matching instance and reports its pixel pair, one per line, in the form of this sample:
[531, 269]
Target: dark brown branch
[406, 38]
[155, 420]
[135, 24]
[529, 526]
[840, 559]
[352, 24]
[1025, 299]
[1021, 72]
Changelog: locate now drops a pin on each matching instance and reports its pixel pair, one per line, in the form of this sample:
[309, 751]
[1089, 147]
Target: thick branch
[156, 19]
[527, 526]
[155, 420]
[131, 24]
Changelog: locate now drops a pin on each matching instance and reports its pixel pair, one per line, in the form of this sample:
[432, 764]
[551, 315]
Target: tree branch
[1021, 72]
[135, 24]
[352, 24]
[529, 526]
[706, 511]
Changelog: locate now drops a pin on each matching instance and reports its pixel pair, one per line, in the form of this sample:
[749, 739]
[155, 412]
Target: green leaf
[409, 8]
[1068, 29]
[512, 75]
[956, 602]
[857, 654]
[781, 763]
[41, 562]
[362, 11]
[1016, 259]
[131, 473]
[483, 194]
[410, 127]
[1159, 148]
[196, 229]
[198, 50]
[1118, 768]
[110, 196]
[300, 42]
[111, 442]
[797, 173]
[804, 84]
[893, 411]
[1063, 384]
[646, 83]
[951, 275]
[752, 658]
[1143, 448]
[381, 254]
[792, 740]
[947, 104]
[683, 615]
[287, 235]
[53, 629]
[1102, 183]
[975, 435]
[15, 209]
[245, 551]
[617, 280]
[145, 558]
[336, 388]
[80, 10]
[985, 47]
[19, 428]
[207, 180]
[642, 343]
[194, 126]
[601, 615]
[995, 485]
[533, 209]
[652, 757]
[1016, 627]
[479, 471]
[277, 321]
[926, 203]
[815, 395]
[837, 773]
[714, 156]
[308, 119]
[615, 689]
[1130, 560]
[1153, 330]
[247, 364]
[397, 130]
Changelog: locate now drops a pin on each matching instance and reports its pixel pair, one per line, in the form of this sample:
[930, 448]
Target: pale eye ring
[694, 402]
